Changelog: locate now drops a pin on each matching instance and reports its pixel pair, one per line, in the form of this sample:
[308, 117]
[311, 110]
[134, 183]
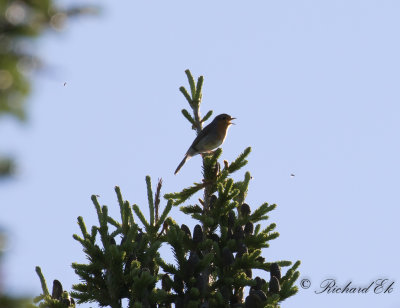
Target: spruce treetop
[213, 263]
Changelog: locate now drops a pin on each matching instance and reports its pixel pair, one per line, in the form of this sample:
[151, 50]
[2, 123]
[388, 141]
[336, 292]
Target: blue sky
[313, 85]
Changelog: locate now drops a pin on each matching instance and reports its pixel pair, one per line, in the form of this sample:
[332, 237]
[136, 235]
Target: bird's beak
[231, 120]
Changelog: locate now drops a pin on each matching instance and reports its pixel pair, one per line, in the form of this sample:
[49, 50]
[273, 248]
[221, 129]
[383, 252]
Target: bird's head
[224, 119]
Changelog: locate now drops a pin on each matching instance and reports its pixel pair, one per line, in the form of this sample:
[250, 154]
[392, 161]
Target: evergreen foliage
[58, 297]
[7, 301]
[213, 264]
[12, 302]
[21, 21]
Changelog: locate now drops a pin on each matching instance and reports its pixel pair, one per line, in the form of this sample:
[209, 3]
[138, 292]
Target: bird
[210, 138]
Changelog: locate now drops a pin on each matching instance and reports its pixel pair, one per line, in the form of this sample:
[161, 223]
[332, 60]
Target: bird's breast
[212, 140]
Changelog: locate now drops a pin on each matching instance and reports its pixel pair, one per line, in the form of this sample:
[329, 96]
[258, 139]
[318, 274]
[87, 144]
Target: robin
[210, 138]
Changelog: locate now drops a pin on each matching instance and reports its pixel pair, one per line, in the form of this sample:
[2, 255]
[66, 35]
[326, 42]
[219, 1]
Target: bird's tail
[182, 163]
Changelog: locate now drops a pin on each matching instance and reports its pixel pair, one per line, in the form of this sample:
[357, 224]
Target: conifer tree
[213, 264]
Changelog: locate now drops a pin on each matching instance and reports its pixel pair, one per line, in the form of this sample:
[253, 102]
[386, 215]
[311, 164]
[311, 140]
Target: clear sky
[314, 86]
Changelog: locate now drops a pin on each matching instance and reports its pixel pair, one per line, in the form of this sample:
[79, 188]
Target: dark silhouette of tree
[213, 264]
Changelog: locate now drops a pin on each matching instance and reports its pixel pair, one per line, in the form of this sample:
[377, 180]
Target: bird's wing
[204, 132]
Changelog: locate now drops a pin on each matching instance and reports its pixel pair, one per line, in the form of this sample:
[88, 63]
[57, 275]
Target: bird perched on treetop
[210, 138]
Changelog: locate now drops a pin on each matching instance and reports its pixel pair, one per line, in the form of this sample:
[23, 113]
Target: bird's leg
[208, 153]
